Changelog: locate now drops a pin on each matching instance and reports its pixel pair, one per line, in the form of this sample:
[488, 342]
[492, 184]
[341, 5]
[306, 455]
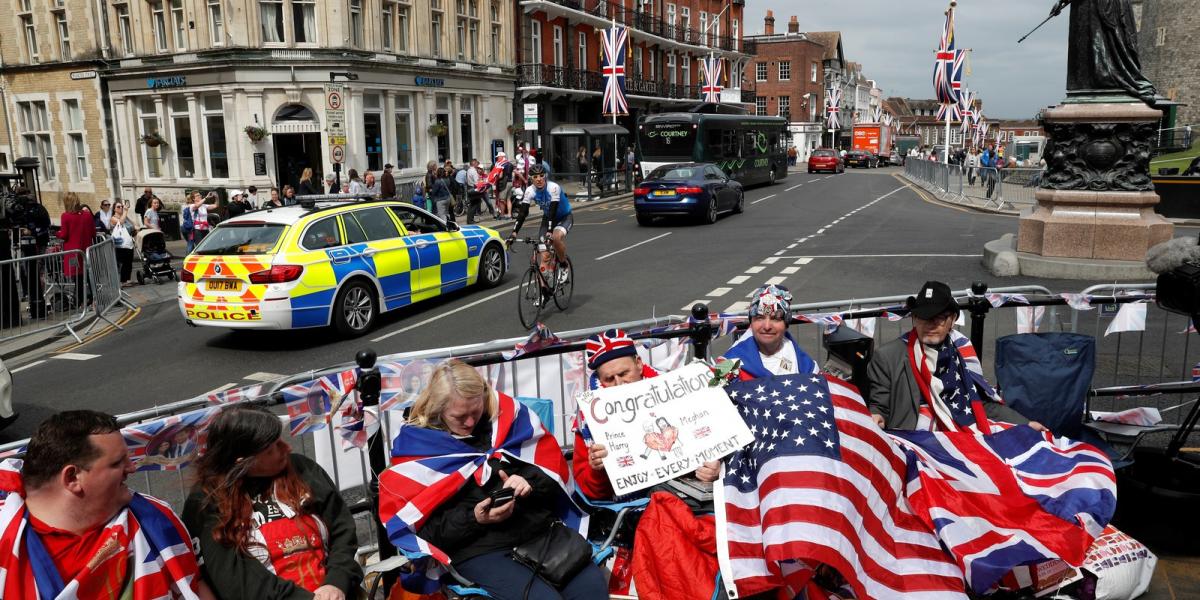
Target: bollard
[368, 385]
[701, 331]
[979, 307]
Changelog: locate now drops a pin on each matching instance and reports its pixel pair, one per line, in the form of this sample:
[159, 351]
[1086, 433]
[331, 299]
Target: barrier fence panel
[42, 293]
[105, 276]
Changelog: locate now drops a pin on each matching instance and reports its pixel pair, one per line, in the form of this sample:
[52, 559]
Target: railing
[652, 24]
[1176, 139]
[982, 187]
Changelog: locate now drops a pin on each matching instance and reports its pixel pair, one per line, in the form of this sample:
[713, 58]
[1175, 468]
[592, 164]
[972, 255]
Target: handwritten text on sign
[664, 427]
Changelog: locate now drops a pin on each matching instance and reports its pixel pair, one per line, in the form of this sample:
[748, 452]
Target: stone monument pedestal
[1096, 201]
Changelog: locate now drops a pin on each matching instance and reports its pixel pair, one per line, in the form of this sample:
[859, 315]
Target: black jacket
[307, 189]
[233, 574]
[453, 528]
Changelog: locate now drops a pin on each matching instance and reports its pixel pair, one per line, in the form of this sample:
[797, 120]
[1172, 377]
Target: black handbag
[556, 556]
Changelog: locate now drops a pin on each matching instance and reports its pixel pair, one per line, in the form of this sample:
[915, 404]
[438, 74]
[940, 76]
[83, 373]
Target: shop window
[181, 124]
[151, 132]
[404, 131]
[214, 128]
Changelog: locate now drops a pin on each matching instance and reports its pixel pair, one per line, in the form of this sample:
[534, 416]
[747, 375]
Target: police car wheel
[491, 267]
[355, 309]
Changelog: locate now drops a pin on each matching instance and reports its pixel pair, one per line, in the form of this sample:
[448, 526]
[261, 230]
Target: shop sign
[174, 81]
[430, 82]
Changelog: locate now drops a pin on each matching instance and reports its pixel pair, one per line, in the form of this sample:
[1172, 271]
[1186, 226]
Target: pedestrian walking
[77, 231]
[972, 165]
[440, 194]
[143, 202]
[791, 154]
[475, 190]
[581, 158]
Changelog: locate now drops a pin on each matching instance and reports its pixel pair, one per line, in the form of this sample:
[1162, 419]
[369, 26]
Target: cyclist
[556, 214]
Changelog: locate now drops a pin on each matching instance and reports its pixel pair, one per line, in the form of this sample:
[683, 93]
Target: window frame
[760, 72]
[404, 109]
[437, 24]
[35, 136]
[784, 70]
[205, 114]
[337, 228]
[782, 102]
[179, 25]
[158, 25]
[30, 36]
[395, 231]
[125, 28]
[142, 117]
[357, 34]
[64, 34]
[76, 139]
[216, 22]
[173, 116]
[760, 106]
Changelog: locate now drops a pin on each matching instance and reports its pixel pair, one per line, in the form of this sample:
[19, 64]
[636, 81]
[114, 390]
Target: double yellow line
[125, 318]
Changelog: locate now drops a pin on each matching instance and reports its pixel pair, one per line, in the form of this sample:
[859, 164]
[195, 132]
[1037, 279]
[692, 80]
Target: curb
[41, 341]
[927, 195]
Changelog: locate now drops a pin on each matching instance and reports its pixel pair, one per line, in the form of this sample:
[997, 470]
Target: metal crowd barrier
[105, 278]
[981, 187]
[37, 295]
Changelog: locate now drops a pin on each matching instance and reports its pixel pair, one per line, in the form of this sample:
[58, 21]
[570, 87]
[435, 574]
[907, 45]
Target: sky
[895, 40]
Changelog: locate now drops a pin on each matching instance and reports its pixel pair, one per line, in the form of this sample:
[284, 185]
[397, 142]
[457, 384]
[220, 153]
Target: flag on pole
[711, 71]
[877, 115]
[981, 130]
[966, 110]
[613, 41]
[944, 65]
[833, 100]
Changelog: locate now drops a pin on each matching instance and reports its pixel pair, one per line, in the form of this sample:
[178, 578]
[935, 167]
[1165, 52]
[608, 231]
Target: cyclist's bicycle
[539, 286]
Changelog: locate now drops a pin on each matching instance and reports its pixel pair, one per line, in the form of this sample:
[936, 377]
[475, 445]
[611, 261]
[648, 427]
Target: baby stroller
[151, 246]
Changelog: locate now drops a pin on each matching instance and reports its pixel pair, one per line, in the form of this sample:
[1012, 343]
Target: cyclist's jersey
[552, 192]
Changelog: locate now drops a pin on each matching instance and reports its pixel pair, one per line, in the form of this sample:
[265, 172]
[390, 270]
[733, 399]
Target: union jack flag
[711, 71]
[833, 102]
[947, 68]
[307, 405]
[430, 466]
[981, 130]
[877, 115]
[539, 339]
[907, 515]
[966, 109]
[613, 42]
[949, 111]
[169, 443]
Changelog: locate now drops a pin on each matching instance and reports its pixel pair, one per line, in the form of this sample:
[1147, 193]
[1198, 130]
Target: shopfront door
[293, 153]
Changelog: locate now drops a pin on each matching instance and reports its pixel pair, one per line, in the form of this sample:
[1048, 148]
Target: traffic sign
[337, 153]
[335, 110]
[333, 96]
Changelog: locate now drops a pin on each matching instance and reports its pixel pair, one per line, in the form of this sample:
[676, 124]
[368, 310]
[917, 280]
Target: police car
[331, 263]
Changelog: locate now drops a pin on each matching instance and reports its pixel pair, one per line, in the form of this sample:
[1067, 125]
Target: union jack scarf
[959, 406]
[430, 466]
[146, 538]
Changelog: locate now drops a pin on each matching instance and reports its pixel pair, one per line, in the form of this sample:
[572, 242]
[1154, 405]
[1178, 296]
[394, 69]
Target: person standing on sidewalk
[439, 192]
[77, 232]
[387, 183]
[474, 196]
[123, 231]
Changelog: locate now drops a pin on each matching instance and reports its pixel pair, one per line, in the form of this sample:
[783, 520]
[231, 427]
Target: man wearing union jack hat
[71, 528]
[767, 348]
[613, 359]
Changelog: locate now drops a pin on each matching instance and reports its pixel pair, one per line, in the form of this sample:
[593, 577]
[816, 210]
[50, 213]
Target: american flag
[711, 71]
[966, 109]
[1017, 497]
[613, 42]
[833, 102]
[823, 484]
[430, 466]
[948, 63]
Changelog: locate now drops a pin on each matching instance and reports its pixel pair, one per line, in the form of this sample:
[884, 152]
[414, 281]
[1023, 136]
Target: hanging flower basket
[256, 133]
[516, 129]
[153, 140]
[438, 129]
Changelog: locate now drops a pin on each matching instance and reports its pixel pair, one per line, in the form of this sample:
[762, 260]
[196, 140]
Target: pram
[152, 251]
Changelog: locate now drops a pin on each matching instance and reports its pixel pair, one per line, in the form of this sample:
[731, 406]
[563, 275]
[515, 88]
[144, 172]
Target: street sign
[337, 153]
[78, 75]
[335, 109]
[531, 116]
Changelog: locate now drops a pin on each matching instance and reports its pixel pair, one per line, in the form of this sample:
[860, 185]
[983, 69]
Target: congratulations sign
[660, 428]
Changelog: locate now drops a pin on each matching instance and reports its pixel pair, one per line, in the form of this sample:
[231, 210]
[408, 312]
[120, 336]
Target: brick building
[788, 77]
[1168, 35]
[51, 96]
[559, 60]
[919, 117]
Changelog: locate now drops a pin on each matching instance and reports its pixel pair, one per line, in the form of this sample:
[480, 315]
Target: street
[826, 237]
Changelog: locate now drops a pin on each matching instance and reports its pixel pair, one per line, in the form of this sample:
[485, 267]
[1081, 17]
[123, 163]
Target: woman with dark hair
[271, 524]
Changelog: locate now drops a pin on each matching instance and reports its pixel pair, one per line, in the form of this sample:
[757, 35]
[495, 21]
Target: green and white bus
[749, 149]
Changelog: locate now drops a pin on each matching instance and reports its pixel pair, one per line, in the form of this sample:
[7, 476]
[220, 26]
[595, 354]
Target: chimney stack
[794, 25]
[769, 23]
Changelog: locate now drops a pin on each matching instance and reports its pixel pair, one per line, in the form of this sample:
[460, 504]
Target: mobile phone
[501, 497]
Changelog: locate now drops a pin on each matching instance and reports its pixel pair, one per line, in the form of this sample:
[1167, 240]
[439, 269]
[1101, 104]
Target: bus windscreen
[667, 140]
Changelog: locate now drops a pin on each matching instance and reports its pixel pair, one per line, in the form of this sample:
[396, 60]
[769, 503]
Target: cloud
[895, 40]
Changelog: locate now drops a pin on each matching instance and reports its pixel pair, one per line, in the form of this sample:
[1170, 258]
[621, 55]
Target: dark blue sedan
[699, 190]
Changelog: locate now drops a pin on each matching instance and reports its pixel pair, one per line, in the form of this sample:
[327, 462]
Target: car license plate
[222, 285]
[664, 192]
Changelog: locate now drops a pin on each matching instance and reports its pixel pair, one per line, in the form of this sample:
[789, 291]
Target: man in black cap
[387, 183]
[930, 378]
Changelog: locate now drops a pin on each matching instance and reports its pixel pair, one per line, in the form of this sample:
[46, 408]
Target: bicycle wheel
[529, 296]
[565, 285]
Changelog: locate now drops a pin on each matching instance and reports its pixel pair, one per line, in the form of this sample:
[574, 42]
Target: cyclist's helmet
[537, 170]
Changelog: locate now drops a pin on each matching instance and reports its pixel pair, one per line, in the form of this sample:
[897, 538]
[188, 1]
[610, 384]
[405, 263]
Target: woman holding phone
[516, 503]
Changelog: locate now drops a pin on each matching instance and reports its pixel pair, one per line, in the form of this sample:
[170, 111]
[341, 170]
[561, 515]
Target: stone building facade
[1168, 35]
[788, 77]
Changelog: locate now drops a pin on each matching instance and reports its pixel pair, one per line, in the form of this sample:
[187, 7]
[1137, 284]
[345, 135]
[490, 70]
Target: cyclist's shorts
[564, 224]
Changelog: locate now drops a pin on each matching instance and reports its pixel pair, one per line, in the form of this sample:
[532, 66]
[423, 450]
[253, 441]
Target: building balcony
[601, 13]
[553, 78]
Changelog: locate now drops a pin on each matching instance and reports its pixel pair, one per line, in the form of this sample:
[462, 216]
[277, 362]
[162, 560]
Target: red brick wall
[801, 53]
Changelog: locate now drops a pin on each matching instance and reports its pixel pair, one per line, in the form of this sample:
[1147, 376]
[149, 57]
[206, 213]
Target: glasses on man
[941, 318]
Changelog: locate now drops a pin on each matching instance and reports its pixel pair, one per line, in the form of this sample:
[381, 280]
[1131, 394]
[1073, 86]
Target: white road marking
[803, 261]
[802, 240]
[780, 252]
[755, 269]
[903, 187]
[75, 356]
[262, 376]
[776, 280]
[790, 246]
[821, 230]
[717, 293]
[790, 270]
[770, 260]
[763, 198]
[633, 246]
[28, 366]
[688, 308]
[740, 279]
[793, 187]
[445, 314]
[737, 307]
[220, 389]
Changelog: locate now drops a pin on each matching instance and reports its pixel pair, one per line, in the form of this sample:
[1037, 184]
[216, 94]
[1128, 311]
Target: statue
[1102, 54]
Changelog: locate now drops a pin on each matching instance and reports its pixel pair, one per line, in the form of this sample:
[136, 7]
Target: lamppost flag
[966, 109]
[711, 91]
[613, 41]
[833, 100]
[948, 64]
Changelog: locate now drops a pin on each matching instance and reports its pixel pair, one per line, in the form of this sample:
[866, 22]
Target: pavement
[861, 234]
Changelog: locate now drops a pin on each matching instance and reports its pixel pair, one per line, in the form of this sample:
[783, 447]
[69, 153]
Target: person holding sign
[768, 349]
[613, 359]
